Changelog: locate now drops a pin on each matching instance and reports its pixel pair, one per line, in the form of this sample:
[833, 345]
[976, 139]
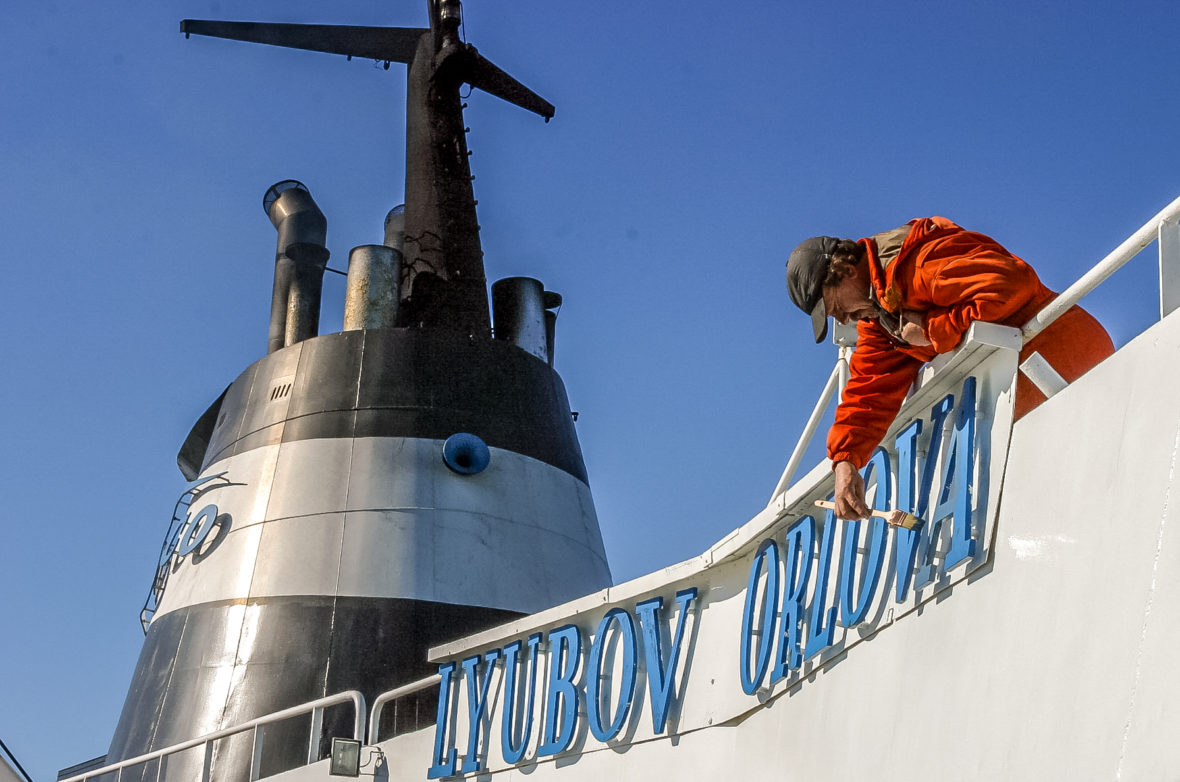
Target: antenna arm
[483, 75]
[392, 44]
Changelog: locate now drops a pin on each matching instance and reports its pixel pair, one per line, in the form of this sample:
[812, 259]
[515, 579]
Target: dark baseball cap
[806, 269]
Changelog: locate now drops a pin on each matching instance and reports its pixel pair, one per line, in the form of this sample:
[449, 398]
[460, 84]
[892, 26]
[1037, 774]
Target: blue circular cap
[466, 454]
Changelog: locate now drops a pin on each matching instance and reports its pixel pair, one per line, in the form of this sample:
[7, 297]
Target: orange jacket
[955, 277]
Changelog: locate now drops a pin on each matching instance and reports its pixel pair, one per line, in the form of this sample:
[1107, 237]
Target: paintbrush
[896, 518]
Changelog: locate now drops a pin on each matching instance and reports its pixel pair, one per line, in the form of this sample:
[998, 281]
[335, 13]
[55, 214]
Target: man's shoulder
[929, 237]
[889, 243]
[899, 241]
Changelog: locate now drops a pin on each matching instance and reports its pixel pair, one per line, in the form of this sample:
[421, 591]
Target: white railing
[315, 708]
[398, 692]
[1164, 227]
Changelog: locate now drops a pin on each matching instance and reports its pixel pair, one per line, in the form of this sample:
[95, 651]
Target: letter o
[768, 553]
[594, 675]
[195, 530]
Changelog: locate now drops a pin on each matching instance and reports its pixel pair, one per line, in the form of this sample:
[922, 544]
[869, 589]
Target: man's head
[827, 276]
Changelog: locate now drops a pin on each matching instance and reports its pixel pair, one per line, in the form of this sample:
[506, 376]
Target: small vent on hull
[280, 388]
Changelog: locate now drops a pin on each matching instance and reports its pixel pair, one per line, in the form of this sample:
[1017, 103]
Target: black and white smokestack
[369, 494]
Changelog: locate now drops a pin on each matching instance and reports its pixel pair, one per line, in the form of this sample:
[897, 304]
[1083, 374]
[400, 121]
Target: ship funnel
[300, 258]
[522, 312]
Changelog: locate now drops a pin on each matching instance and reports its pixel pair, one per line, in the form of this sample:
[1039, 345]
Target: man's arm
[879, 378]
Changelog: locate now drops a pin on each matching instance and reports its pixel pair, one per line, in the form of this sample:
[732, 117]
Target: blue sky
[695, 143]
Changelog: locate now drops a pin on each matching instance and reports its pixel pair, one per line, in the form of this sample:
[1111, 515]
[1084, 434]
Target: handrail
[1164, 227]
[1150, 231]
[394, 694]
[315, 708]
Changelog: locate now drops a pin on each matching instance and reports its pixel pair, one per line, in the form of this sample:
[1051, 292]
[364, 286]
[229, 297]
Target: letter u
[514, 752]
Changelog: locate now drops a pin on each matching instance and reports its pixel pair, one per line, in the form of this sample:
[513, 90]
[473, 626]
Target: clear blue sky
[695, 143]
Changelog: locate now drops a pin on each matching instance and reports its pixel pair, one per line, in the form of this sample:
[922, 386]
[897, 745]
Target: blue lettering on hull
[805, 626]
[565, 691]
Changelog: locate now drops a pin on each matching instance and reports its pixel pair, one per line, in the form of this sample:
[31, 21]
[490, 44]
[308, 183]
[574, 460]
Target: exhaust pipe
[395, 228]
[371, 293]
[374, 278]
[523, 314]
[552, 303]
[300, 258]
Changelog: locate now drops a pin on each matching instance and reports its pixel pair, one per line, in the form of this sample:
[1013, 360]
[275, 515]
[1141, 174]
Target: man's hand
[913, 328]
[850, 492]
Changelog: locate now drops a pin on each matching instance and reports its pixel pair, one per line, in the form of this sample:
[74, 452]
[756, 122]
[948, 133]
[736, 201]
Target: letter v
[659, 677]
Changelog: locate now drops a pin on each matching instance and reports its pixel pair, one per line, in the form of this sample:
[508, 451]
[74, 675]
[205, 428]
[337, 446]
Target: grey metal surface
[263, 412]
[371, 292]
[311, 476]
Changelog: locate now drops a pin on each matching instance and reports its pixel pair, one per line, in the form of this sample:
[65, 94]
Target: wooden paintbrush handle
[832, 506]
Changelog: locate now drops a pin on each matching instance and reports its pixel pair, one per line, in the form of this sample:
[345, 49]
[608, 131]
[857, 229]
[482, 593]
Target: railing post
[358, 725]
[1169, 248]
[256, 755]
[845, 355]
[207, 769]
[1042, 374]
[313, 746]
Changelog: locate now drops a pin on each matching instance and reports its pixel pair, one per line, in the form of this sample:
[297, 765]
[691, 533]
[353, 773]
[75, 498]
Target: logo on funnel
[186, 535]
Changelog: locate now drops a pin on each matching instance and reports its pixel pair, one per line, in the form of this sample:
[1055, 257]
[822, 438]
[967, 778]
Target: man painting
[915, 291]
